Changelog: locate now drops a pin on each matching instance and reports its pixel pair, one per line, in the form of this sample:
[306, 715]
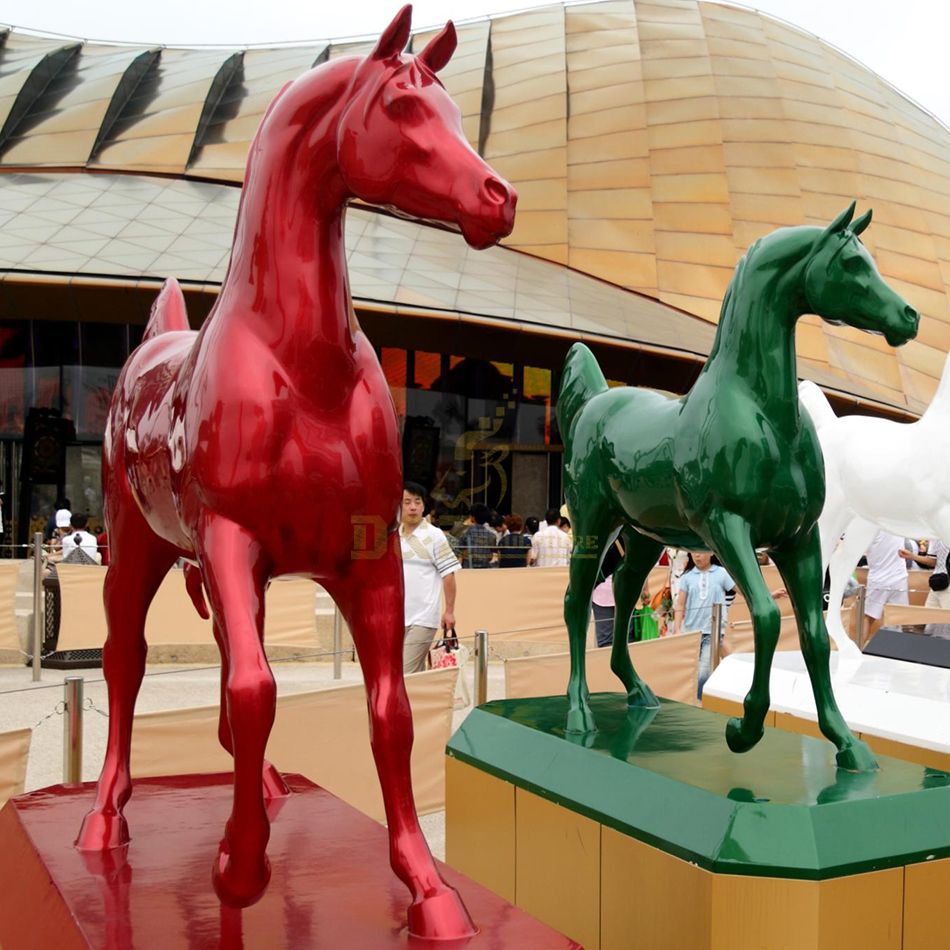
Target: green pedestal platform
[651, 833]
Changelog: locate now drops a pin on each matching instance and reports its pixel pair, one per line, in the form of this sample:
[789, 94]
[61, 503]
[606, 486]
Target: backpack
[78, 555]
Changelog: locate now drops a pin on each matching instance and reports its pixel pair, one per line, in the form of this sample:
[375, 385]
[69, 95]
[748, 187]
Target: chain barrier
[58, 710]
[90, 706]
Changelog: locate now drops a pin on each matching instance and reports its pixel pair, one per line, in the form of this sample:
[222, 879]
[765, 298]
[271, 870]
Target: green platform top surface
[667, 778]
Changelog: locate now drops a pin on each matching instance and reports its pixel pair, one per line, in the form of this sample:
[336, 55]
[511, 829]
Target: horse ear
[862, 222]
[842, 221]
[395, 36]
[440, 48]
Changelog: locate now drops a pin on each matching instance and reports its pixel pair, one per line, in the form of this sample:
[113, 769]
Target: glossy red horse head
[400, 141]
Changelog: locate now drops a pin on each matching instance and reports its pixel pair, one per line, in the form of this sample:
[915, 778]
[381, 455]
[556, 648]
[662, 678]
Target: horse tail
[816, 404]
[581, 380]
[168, 312]
[195, 591]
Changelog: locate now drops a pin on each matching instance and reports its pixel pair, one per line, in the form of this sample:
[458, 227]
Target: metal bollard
[72, 730]
[337, 643]
[481, 667]
[38, 620]
[859, 625]
[715, 634]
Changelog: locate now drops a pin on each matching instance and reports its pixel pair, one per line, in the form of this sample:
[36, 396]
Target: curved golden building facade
[650, 142]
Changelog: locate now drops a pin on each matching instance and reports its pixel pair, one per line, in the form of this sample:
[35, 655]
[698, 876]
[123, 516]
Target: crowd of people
[432, 556]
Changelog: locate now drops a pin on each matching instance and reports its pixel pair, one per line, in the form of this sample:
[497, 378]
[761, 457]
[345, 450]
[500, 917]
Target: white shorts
[877, 597]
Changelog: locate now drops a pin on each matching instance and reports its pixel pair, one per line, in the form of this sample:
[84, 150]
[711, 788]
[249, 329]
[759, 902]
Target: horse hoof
[580, 721]
[857, 757]
[239, 886]
[736, 738]
[642, 697]
[102, 832]
[441, 917]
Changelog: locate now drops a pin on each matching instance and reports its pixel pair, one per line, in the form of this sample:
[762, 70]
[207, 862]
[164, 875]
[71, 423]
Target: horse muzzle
[910, 319]
[493, 216]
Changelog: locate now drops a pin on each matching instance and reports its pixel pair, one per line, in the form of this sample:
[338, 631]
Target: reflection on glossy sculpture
[880, 475]
[730, 467]
[268, 444]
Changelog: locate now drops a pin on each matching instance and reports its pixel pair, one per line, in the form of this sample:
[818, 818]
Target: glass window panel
[14, 376]
[84, 482]
[103, 344]
[90, 391]
[428, 369]
[393, 362]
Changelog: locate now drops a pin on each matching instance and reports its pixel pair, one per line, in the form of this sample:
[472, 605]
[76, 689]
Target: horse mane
[778, 251]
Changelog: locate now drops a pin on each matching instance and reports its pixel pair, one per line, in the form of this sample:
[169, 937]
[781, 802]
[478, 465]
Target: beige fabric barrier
[172, 618]
[8, 580]
[521, 604]
[14, 754]
[323, 735]
[897, 614]
[669, 665]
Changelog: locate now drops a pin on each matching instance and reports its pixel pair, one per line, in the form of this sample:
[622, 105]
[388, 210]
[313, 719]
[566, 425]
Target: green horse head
[730, 467]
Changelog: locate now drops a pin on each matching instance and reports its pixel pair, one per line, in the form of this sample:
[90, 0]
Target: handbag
[448, 652]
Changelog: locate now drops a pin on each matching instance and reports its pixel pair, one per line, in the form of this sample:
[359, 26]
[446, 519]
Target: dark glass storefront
[475, 430]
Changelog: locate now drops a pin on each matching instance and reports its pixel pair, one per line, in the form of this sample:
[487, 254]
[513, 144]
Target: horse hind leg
[138, 563]
[235, 571]
[594, 530]
[371, 599]
[640, 554]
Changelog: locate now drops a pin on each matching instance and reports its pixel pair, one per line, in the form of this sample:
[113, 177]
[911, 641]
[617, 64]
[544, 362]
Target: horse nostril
[911, 313]
[496, 191]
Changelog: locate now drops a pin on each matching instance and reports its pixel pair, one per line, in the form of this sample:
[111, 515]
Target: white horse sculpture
[879, 475]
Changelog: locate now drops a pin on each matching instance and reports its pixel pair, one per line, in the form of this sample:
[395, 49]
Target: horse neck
[755, 340]
[287, 277]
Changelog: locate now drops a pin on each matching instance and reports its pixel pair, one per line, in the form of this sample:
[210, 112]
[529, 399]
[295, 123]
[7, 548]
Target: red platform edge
[332, 886]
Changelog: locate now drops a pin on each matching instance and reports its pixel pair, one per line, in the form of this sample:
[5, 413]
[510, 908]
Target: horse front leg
[274, 784]
[730, 537]
[800, 565]
[371, 599]
[235, 571]
[593, 532]
[640, 554]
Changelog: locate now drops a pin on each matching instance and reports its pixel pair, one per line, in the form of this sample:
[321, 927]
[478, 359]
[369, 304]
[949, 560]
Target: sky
[905, 41]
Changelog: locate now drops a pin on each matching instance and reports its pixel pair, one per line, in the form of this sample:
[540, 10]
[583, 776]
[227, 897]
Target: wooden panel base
[332, 886]
[647, 898]
[650, 833]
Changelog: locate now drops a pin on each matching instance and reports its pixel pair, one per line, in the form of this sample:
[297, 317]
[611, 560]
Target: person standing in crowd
[530, 527]
[513, 548]
[50, 532]
[429, 568]
[550, 547]
[477, 545]
[939, 581]
[699, 588]
[887, 578]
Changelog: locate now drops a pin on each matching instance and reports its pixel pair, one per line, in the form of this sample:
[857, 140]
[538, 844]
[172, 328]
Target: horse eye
[404, 108]
[853, 263]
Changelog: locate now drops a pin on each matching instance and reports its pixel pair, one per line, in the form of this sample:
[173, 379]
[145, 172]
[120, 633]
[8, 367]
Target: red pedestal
[331, 887]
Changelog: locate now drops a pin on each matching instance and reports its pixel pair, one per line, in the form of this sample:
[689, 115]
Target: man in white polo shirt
[428, 566]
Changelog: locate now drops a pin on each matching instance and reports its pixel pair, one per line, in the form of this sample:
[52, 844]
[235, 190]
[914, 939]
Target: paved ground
[24, 703]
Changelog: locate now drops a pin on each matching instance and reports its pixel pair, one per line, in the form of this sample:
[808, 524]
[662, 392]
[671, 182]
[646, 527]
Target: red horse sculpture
[262, 444]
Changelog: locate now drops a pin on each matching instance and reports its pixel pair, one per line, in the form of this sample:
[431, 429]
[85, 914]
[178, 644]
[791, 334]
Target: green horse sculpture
[732, 466]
